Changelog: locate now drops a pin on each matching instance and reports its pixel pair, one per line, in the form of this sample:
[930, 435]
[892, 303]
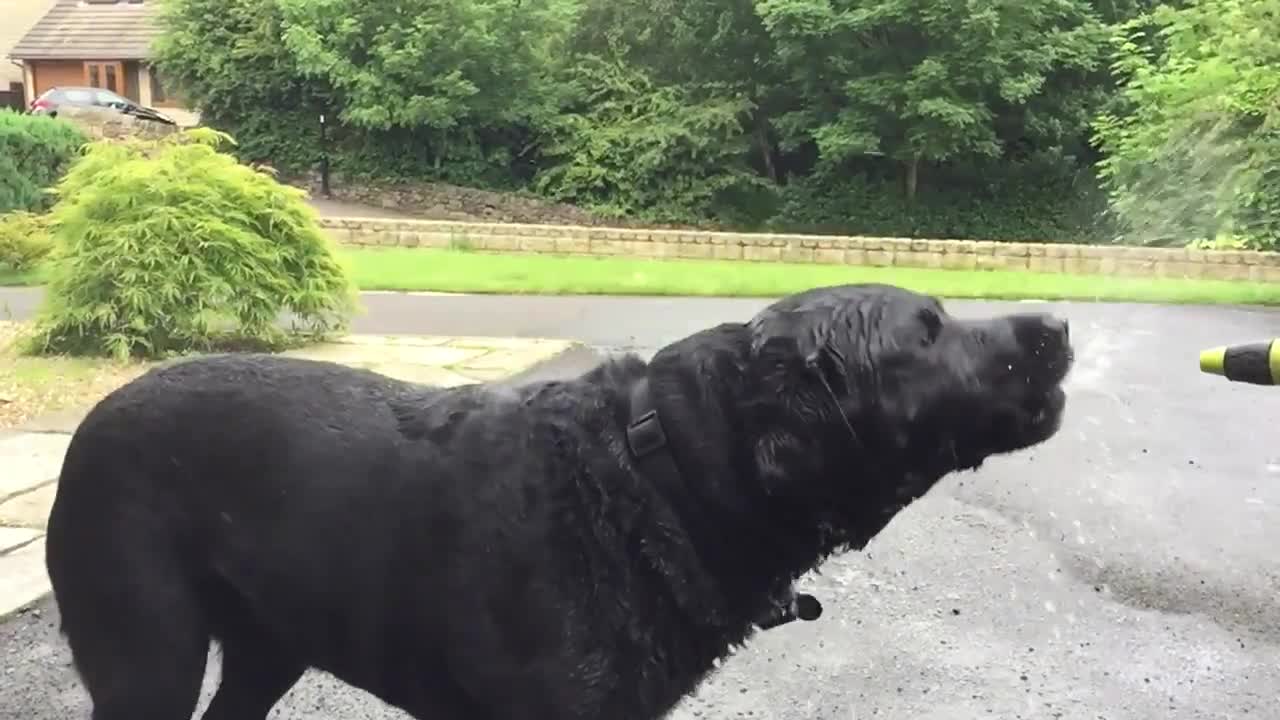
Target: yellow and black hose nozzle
[1256, 363]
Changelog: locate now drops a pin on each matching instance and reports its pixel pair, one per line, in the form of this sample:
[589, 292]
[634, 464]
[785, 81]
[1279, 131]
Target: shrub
[1037, 201]
[168, 246]
[24, 239]
[34, 152]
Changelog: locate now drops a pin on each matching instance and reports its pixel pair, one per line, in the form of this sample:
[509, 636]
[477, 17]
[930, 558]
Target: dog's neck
[753, 496]
[752, 539]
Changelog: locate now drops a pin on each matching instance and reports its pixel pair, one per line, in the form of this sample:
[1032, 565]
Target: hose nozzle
[1254, 363]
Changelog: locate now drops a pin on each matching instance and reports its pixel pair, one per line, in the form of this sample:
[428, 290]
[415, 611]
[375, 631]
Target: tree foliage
[921, 80]
[228, 59]
[1193, 154]
[170, 246]
[632, 147]
[839, 114]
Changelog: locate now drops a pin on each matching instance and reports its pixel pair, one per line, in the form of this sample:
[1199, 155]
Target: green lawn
[463, 271]
[460, 271]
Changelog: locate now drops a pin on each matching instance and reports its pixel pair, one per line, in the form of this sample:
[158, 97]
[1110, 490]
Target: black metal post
[324, 160]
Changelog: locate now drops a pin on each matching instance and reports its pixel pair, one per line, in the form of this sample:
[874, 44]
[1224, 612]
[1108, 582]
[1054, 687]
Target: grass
[32, 386]
[9, 276]
[474, 272]
[461, 271]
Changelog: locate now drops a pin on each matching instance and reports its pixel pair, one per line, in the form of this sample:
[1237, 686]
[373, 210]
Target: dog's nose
[1058, 328]
[1042, 332]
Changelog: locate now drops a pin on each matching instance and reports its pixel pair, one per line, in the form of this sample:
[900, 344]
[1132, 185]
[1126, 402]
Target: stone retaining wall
[835, 250]
[100, 123]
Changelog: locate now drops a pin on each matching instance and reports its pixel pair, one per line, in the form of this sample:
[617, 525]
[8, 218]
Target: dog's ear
[817, 338]
[801, 333]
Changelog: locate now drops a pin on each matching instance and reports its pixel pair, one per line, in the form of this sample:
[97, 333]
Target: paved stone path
[32, 456]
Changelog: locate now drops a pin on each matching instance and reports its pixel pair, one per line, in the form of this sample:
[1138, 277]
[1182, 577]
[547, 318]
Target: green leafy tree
[227, 59]
[1193, 152]
[462, 73]
[170, 246]
[635, 148]
[714, 52]
[921, 80]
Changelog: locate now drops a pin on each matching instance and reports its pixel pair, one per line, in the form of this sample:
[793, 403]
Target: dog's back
[426, 545]
[243, 498]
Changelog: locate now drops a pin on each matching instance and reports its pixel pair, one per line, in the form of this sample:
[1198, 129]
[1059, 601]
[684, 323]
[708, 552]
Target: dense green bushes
[170, 246]
[34, 152]
[898, 117]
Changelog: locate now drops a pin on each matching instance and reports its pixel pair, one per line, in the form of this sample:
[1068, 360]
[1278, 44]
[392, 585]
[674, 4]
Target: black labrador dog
[578, 549]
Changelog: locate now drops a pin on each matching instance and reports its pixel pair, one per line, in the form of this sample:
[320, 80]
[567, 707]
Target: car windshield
[104, 97]
[74, 96]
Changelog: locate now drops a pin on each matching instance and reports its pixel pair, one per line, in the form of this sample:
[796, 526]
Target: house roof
[90, 30]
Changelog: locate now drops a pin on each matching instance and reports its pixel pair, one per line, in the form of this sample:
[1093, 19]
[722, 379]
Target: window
[77, 97]
[103, 97]
[105, 75]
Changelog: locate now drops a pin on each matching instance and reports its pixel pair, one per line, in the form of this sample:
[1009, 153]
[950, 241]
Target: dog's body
[495, 552]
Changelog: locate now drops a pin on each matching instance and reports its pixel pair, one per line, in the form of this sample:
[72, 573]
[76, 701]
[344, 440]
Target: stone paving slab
[31, 457]
[60, 422]
[23, 579]
[30, 509]
[14, 538]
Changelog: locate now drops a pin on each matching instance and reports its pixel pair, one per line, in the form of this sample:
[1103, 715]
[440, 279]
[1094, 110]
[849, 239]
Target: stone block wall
[824, 249]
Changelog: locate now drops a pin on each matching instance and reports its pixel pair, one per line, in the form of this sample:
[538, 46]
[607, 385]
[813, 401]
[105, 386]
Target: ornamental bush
[169, 246]
[24, 239]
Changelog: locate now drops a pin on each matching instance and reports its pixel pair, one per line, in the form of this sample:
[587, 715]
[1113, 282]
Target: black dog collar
[647, 441]
[646, 437]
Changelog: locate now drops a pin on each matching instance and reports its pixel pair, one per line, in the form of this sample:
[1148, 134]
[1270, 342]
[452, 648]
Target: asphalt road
[1125, 570]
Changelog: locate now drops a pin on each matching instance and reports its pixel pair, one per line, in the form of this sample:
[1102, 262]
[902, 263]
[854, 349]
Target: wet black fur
[488, 552]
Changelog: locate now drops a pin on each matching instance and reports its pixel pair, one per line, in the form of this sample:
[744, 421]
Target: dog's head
[885, 379]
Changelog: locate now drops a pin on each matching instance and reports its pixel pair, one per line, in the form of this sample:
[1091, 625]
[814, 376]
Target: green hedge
[34, 152]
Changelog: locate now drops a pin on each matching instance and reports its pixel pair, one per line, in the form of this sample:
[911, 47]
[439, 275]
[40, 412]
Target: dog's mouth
[1032, 418]
[1045, 410]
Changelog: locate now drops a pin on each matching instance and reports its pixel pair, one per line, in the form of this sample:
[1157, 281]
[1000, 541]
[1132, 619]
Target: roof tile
[90, 30]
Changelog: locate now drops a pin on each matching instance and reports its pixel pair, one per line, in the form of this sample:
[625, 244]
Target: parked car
[53, 98]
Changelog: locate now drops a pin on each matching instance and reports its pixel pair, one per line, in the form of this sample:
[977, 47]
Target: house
[19, 16]
[98, 43]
